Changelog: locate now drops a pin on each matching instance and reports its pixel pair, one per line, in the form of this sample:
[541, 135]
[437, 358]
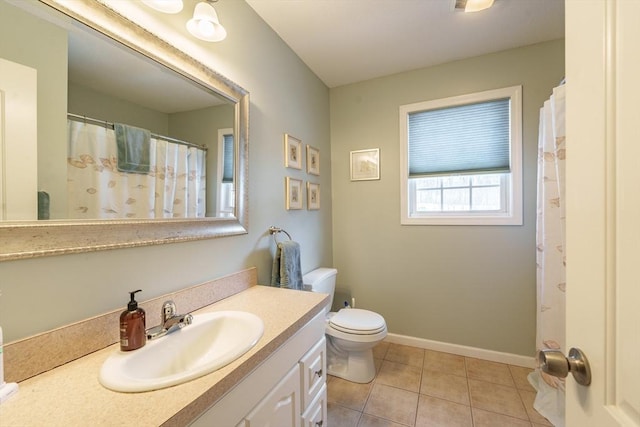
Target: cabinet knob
[319, 374]
[319, 423]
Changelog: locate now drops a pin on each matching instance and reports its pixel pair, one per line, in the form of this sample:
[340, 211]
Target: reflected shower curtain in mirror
[174, 188]
[551, 256]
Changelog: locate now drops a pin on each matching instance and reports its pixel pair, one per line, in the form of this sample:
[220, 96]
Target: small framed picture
[313, 160]
[365, 164]
[293, 189]
[292, 152]
[313, 196]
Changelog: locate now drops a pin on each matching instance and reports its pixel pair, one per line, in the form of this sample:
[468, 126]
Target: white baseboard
[461, 350]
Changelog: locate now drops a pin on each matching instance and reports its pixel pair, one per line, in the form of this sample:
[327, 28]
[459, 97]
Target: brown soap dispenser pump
[133, 333]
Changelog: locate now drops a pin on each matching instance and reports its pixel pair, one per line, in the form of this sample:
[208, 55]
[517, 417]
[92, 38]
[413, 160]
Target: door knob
[554, 363]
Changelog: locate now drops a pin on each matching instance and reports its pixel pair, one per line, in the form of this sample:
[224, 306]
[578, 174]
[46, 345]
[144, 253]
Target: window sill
[463, 220]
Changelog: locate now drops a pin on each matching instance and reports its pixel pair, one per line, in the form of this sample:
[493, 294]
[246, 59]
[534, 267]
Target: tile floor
[416, 387]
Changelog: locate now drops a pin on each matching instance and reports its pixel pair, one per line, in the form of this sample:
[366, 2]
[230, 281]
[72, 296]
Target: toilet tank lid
[318, 274]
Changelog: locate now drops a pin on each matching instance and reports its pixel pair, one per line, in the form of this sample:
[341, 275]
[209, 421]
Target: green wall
[466, 285]
[44, 293]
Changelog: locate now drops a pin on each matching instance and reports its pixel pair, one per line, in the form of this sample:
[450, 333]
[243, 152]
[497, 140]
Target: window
[226, 194]
[461, 159]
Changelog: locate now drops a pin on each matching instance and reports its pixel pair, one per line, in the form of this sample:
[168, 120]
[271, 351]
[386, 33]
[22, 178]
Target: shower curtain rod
[153, 135]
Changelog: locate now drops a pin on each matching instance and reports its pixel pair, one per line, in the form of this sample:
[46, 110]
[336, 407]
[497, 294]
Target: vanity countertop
[71, 395]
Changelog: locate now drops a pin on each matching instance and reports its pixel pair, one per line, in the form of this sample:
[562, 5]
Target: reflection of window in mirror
[226, 194]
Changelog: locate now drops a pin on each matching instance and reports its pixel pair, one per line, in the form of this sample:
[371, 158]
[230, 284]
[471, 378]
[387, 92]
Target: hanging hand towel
[286, 271]
[134, 147]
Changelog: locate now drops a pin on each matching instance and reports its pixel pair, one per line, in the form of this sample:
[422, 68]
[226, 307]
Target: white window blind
[464, 139]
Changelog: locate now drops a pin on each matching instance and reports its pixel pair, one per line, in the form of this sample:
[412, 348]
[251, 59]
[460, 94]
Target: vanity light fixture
[204, 24]
[166, 6]
[472, 5]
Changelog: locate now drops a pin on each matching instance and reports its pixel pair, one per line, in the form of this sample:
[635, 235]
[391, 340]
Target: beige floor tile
[399, 375]
[444, 362]
[348, 394]
[434, 412]
[380, 350]
[378, 364]
[492, 372]
[371, 421]
[405, 354]
[392, 404]
[527, 398]
[489, 419]
[519, 375]
[445, 386]
[339, 416]
[497, 398]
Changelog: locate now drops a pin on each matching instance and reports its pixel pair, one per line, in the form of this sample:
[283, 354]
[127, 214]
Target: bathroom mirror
[198, 88]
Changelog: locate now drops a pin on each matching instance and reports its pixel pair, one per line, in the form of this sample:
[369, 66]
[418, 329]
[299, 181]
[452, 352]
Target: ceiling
[347, 41]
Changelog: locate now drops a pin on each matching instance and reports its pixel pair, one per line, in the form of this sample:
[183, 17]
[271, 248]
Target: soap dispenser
[132, 326]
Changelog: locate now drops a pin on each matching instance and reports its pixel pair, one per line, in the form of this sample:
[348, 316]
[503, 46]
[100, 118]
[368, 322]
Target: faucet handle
[168, 310]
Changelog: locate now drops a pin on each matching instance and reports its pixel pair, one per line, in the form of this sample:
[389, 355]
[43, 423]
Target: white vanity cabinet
[286, 390]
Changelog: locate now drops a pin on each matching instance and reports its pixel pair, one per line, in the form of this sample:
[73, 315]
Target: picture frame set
[294, 188]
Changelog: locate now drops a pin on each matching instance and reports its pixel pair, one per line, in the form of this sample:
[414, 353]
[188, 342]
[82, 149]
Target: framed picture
[313, 196]
[365, 164]
[293, 198]
[313, 160]
[292, 152]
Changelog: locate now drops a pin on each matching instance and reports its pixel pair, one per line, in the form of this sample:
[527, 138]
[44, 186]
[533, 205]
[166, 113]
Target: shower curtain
[174, 187]
[551, 256]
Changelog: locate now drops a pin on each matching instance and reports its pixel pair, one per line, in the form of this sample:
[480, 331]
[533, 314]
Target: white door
[603, 208]
[18, 142]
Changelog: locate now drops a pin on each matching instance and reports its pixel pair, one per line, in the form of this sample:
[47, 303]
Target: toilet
[351, 332]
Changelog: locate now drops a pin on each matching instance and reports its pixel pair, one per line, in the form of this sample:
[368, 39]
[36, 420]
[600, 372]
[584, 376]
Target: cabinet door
[314, 372]
[316, 413]
[281, 407]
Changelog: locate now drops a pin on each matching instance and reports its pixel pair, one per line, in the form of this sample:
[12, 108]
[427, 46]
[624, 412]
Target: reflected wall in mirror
[97, 69]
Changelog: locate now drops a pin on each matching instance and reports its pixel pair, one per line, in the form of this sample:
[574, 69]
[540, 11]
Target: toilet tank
[322, 280]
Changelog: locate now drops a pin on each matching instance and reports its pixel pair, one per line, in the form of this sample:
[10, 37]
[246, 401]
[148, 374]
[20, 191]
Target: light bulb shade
[477, 5]
[205, 25]
[166, 6]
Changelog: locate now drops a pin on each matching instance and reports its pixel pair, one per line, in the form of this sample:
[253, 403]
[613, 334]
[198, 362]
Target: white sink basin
[212, 341]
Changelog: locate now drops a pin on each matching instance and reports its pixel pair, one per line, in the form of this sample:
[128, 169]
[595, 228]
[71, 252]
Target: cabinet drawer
[316, 413]
[313, 367]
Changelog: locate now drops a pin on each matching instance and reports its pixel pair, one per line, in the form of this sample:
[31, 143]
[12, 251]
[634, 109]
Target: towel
[43, 205]
[286, 271]
[134, 146]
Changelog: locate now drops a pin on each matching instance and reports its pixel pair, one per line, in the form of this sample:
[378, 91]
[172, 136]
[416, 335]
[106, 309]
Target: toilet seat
[357, 322]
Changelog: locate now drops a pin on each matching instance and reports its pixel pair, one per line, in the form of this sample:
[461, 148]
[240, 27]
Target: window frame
[513, 214]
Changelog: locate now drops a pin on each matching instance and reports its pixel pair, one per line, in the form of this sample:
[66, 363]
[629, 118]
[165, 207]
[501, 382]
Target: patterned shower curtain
[551, 256]
[174, 187]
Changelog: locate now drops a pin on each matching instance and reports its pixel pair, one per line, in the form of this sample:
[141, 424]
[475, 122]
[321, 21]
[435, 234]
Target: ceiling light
[205, 25]
[166, 6]
[472, 5]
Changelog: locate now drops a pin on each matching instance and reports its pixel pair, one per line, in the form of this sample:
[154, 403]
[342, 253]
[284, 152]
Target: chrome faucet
[170, 321]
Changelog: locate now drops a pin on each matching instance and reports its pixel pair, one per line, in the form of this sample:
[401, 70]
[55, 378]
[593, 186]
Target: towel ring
[275, 230]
